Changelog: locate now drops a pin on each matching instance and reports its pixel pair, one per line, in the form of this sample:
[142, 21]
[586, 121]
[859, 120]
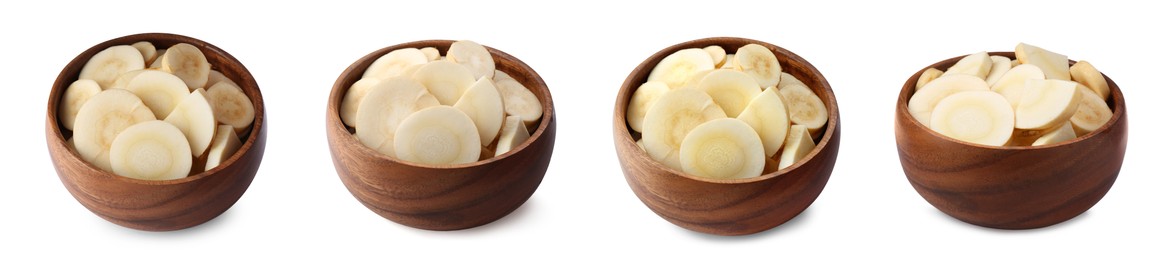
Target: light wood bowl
[157, 205]
[728, 207]
[441, 197]
[1019, 187]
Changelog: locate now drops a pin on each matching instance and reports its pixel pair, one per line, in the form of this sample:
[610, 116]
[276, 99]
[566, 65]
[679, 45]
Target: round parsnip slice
[431, 53]
[437, 135]
[230, 105]
[1059, 135]
[1054, 65]
[788, 79]
[999, 66]
[717, 53]
[922, 103]
[727, 63]
[105, 66]
[482, 103]
[760, 63]
[445, 79]
[1047, 103]
[513, 133]
[724, 148]
[215, 76]
[978, 65]
[349, 109]
[980, 117]
[671, 118]
[1010, 85]
[675, 69]
[151, 150]
[804, 107]
[1084, 73]
[385, 106]
[473, 56]
[101, 119]
[1092, 113]
[767, 115]
[194, 117]
[394, 63]
[159, 90]
[75, 96]
[147, 49]
[927, 76]
[730, 89]
[224, 145]
[519, 101]
[188, 63]
[645, 95]
[797, 146]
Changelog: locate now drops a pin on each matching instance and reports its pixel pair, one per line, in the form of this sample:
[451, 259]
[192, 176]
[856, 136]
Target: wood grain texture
[728, 207]
[158, 205]
[441, 197]
[1010, 187]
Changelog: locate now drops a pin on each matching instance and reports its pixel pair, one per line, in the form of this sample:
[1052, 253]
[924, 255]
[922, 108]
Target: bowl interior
[503, 61]
[790, 62]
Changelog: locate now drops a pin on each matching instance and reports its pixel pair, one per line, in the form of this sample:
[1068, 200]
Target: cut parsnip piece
[437, 135]
[499, 76]
[349, 109]
[188, 63]
[1010, 85]
[384, 108]
[727, 63]
[1092, 113]
[159, 90]
[1025, 137]
[158, 62]
[760, 63]
[75, 96]
[513, 133]
[482, 104]
[922, 103]
[394, 63]
[1059, 135]
[224, 145]
[193, 116]
[147, 50]
[431, 53]
[151, 150]
[473, 56]
[723, 148]
[978, 65]
[214, 77]
[1084, 73]
[981, 117]
[716, 53]
[645, 95]
[928, 75]
[767, 115]
[446, 80]
[999, 66]
[788, 79]
[231, 106]
[672, 117]
[1054, 65]
[101, 119]
[1047, 103]
[105, 66]
[797, 146]
[519, 101]
[678, 67]
[730, 89]
[804, 107]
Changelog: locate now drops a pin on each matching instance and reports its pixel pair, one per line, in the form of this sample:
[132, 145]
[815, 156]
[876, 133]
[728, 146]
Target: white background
[298, 207]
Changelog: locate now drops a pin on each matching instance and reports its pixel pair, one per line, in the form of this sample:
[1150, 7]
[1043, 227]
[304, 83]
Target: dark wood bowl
[157, 205]
[728, 207]
[1018, 187]
[441, 197]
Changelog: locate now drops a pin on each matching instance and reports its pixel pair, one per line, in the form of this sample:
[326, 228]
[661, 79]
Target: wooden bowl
[1018, 187]
[728, 207]
[447, 197]
[157, 205]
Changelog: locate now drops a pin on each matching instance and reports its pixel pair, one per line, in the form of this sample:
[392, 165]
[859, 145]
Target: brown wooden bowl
[447, 197]
[157, 205]
[1019, 187]
[728, 207]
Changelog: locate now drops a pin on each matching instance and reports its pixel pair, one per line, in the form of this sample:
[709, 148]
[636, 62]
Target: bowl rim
[64, 78]
[341, 85]
[633, 81]
[907, 91]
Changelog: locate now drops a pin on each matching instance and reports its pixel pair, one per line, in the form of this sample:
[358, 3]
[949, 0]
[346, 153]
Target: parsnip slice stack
[420, 106]
[1036, 102]
[152, 123]
[723, 115]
